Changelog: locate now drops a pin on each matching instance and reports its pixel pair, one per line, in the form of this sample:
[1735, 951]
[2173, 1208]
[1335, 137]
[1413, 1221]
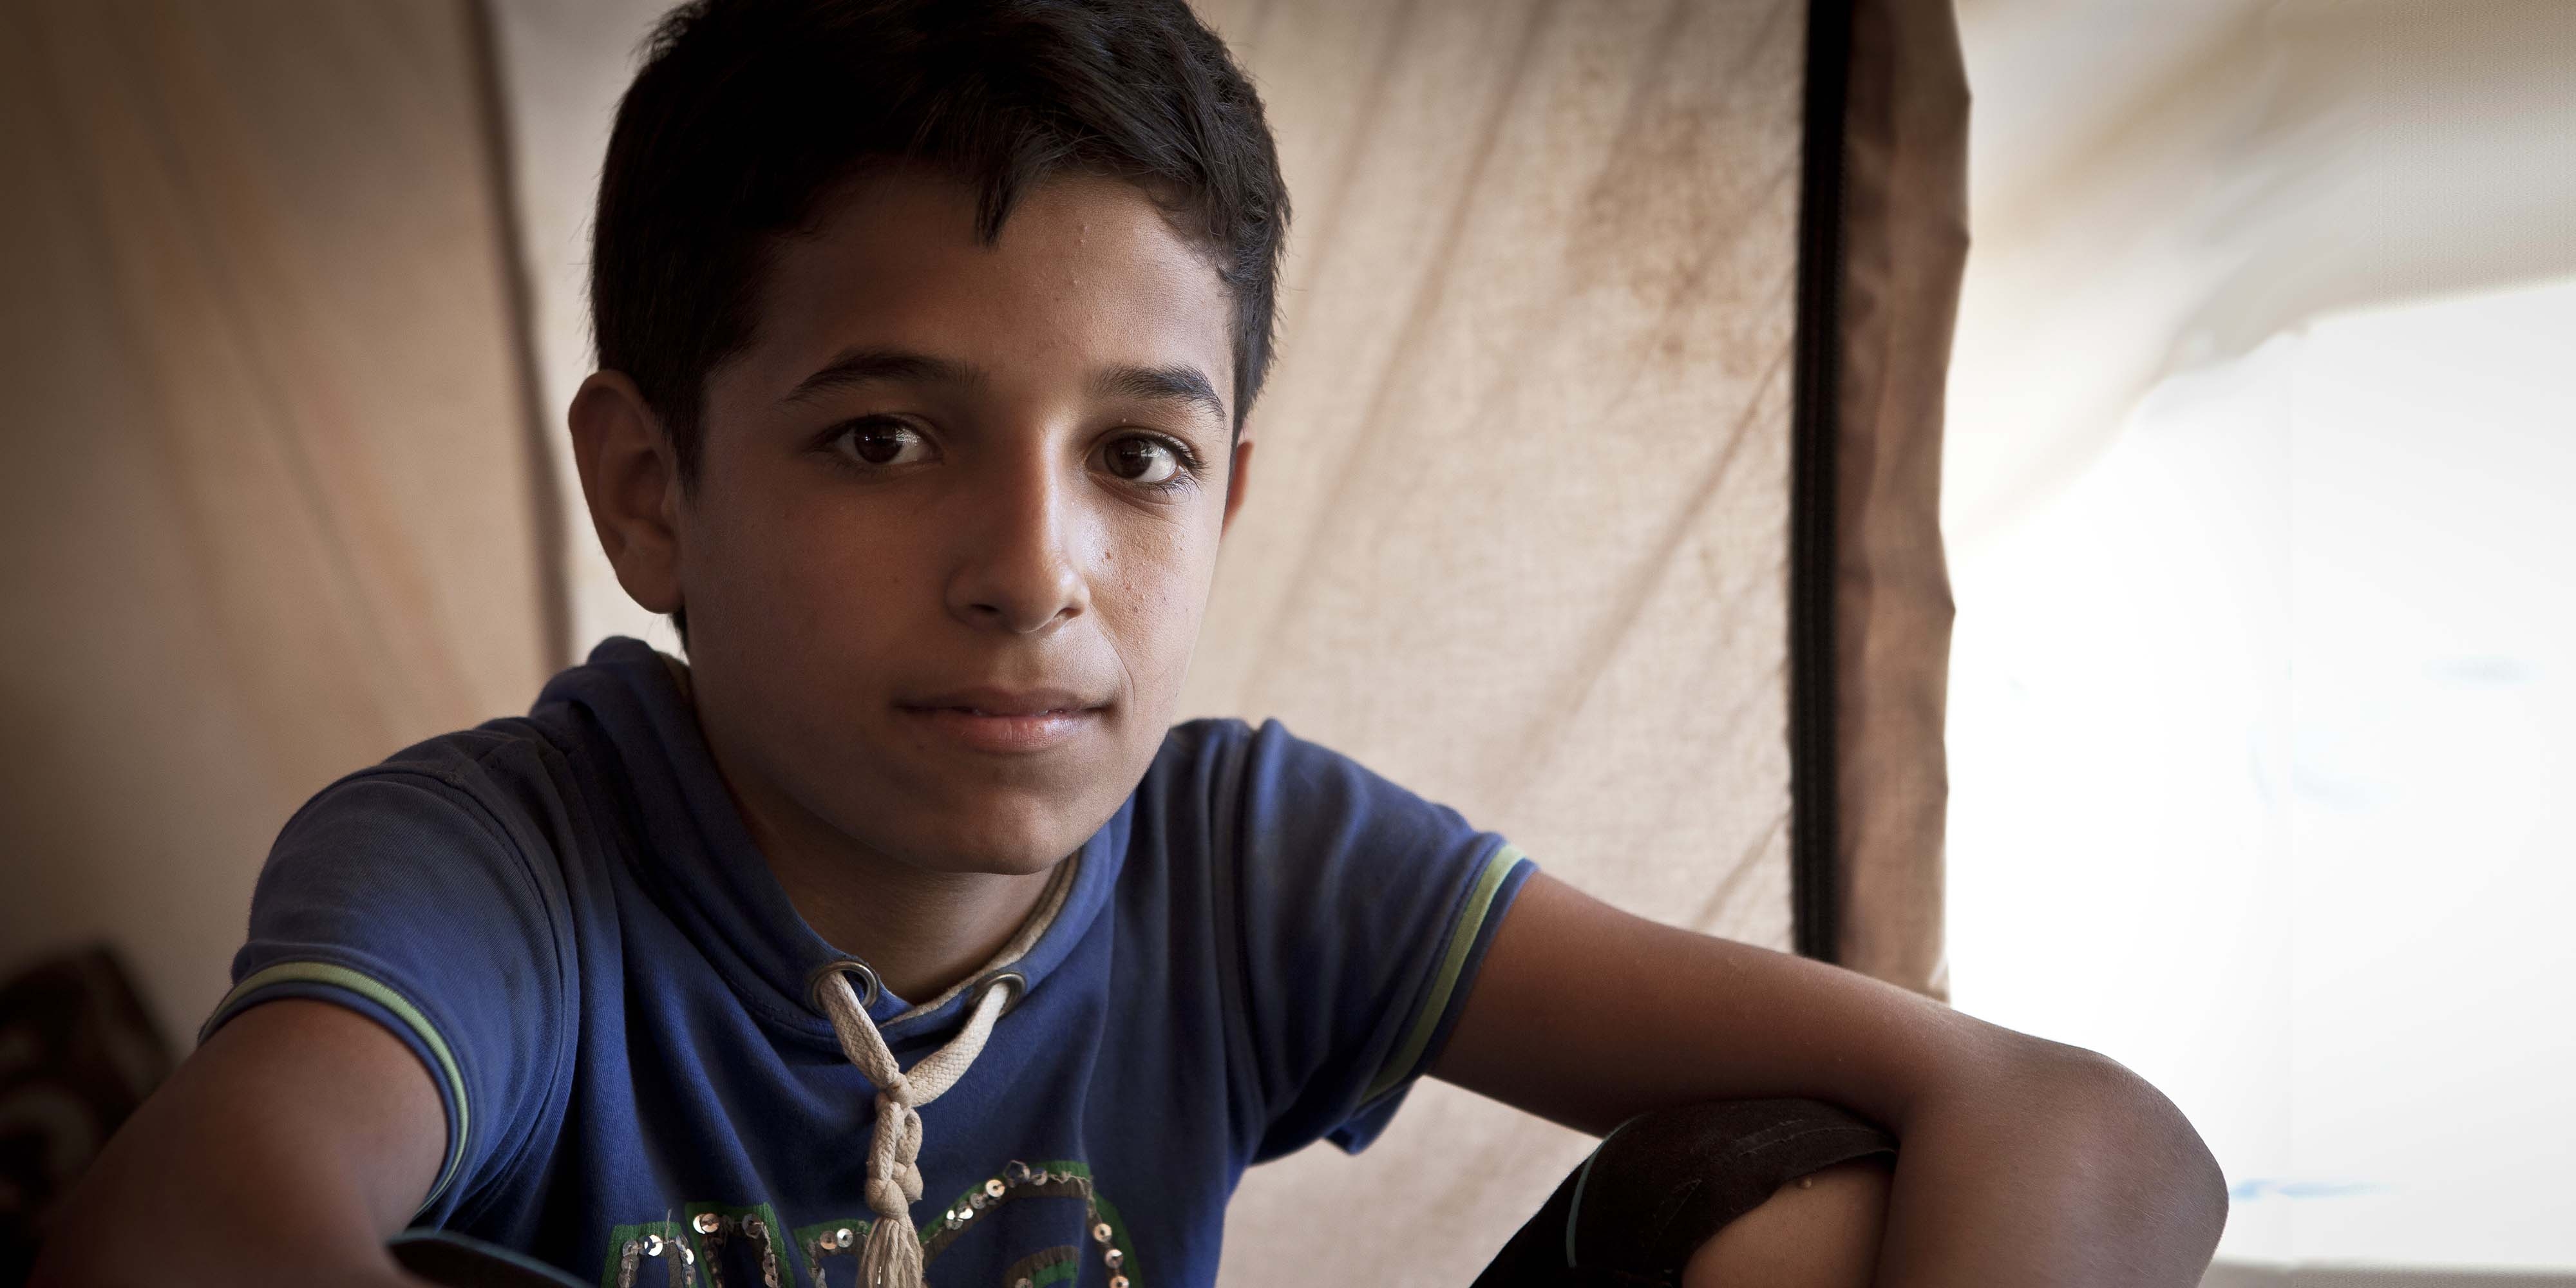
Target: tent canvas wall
[271, 507]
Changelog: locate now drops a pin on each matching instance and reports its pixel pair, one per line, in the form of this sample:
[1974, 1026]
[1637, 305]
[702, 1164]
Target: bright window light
[2263, 750]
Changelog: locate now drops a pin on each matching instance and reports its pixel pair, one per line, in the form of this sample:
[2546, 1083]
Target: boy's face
[955, 521]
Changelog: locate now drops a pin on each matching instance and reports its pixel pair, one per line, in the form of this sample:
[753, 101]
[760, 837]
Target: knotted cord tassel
[892, 1256]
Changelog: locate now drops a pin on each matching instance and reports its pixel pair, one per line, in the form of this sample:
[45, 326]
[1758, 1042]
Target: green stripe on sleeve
[1453, 962]
[341, 977]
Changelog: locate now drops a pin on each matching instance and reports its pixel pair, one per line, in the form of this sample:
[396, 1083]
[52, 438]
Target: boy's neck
[922, 932]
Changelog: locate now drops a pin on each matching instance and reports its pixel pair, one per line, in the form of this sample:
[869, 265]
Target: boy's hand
[283, 1152]
[2019, 1161]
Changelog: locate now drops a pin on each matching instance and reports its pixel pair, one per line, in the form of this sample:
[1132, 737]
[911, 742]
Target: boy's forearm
[220, 1217]
[2019, 1161]
[281, 1153]
[180, 1256]
[2065, 1169]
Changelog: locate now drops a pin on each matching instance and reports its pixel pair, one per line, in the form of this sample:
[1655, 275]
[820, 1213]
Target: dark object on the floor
[77, 1054]
[455, 1261]
[1665, 1182]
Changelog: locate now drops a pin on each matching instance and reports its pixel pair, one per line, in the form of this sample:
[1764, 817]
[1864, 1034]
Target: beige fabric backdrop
[1518, 533]
[562, 65]
[267, 512]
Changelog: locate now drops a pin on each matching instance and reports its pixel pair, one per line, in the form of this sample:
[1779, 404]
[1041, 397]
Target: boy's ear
[1238, 479]
[630, 476]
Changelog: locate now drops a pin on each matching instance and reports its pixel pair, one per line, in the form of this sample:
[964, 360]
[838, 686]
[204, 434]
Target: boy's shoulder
[515, 764]
[1266, 766]
[614, 727]
[468, 758]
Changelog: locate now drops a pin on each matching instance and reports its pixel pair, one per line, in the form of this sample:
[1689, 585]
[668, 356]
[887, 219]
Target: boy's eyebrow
[861, 366]
[1160, 384]
[1176, 383]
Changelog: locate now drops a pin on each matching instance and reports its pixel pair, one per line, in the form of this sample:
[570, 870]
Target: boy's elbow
[61, 1270]
[2138, 1133]
[71, 1262]
[51, 1273]
[91, 1263]
[71, 1254]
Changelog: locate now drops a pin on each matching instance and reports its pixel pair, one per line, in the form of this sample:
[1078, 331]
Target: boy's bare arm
[2019, 1162]
[283, 1152]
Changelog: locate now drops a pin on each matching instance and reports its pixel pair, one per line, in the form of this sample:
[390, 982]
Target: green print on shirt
[716, 1245]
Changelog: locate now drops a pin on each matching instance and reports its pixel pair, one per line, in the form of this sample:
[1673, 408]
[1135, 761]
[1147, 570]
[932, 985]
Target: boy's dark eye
[1142, 460]
[883, 442]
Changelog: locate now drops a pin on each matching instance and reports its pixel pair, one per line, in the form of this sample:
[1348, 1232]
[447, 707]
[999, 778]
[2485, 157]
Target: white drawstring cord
[892, 1256]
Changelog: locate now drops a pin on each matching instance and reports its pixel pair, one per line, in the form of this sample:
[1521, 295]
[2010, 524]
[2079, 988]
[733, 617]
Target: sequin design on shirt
[729, 1246]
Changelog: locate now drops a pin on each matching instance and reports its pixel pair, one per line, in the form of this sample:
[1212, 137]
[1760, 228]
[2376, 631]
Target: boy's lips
[1006, 721]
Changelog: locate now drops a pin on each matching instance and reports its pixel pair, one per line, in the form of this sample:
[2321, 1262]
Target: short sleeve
[398, 896]
[1364, 912]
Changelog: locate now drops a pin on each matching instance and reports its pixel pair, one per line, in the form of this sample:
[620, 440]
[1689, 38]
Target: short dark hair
[748, 112]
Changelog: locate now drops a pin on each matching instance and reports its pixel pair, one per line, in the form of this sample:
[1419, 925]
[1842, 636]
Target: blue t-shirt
[564, 917]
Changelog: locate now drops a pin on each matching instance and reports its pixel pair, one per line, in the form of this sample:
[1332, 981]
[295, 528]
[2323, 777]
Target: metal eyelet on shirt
[1019, 989]
[869, 989]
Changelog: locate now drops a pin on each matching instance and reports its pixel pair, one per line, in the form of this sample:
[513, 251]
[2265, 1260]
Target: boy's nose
[1021, 571]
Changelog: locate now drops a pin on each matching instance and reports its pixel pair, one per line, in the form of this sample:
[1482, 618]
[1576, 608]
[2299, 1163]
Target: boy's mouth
[1006, 723]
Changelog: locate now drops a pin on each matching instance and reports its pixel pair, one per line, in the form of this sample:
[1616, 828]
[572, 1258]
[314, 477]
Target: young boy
[896, 935]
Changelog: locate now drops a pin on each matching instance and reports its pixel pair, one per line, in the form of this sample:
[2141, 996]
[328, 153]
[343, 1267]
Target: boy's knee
[1819, 1231]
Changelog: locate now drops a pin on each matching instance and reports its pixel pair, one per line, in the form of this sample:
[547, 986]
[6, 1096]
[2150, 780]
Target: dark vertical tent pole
[1815, 920]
